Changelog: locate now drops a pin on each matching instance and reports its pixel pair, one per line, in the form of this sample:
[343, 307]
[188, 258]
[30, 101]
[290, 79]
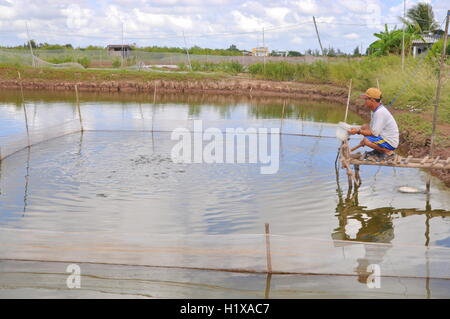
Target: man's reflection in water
[376, 227]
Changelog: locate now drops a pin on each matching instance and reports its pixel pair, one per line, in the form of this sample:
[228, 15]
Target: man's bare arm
[362, 131]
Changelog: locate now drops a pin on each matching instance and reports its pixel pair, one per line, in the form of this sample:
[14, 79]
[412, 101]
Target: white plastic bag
[342, 130]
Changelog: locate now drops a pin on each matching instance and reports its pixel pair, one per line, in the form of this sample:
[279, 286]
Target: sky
[288, 25]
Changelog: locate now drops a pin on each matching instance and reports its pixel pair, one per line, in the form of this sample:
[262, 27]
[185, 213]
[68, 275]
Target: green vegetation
[413, 90]
[9, 72]
[418, 81]
[419, 21]
[227, 67]
[116, 63]
[195, 50]
[390, 42]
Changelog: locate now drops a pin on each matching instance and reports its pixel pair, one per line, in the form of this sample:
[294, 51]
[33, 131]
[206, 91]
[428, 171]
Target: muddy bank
[228, 86]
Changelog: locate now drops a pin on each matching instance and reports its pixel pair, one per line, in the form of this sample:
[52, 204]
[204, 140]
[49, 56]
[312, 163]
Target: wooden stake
[439, 84]
[438, 94]
[24, 109]
[348, 101]
[268, 255]
[78, 108]
[187, 51]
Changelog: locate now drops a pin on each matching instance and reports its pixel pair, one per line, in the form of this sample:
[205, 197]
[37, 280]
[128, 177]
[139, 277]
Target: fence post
[268, 255]
[348, 100]
[24, 109]
[438, 94]
[78, 108]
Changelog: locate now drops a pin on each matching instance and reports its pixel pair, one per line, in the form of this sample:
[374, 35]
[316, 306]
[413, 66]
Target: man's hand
[354, 131]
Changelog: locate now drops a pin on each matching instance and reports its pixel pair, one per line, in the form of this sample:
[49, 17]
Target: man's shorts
[379, 140]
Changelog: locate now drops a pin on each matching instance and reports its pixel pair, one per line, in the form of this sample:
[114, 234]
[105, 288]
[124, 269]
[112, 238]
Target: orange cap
[373, 93]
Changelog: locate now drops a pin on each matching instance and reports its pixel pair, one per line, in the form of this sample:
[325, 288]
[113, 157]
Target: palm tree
[422, 16]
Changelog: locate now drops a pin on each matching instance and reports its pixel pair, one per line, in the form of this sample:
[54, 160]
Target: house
[119, 50]
[260, 51]
[420, 46]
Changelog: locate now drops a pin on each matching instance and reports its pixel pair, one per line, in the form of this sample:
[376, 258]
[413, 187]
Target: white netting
[240, 253]
[135, 59]
[41, 63]
[42, 124]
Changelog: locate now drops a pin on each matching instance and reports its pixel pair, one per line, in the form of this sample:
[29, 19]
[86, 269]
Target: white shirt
[383, 124]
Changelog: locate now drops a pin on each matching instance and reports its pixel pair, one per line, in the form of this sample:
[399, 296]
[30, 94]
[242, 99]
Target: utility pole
[317, 32]
[31, 48]
[438, 91]
[403, 37]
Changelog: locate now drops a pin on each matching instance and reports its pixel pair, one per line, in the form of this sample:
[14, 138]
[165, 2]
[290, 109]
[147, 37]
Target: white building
[260, 51]
[420, 46]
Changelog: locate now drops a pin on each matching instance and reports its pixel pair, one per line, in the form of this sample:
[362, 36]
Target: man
[382, 134]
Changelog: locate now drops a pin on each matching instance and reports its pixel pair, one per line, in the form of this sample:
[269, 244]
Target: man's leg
[374, 146]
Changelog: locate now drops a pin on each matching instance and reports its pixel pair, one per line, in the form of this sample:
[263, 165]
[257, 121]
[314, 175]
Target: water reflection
[375, 226]
[27, 180]
[227, 106]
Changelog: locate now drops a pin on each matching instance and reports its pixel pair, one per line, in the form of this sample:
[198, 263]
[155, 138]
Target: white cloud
[247, 23]
[6, 12]
[307, 6]
[296, 40]
[351, 36]
[278, 14]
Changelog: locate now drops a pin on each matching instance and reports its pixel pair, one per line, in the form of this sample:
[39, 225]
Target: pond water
[104, 195]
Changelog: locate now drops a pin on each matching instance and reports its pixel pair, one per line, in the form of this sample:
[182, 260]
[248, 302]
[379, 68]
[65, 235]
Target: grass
[413, 88]
[9, 72]
[226, 67]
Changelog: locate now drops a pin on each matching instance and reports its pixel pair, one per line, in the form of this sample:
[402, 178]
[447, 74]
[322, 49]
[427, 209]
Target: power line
[180, 36]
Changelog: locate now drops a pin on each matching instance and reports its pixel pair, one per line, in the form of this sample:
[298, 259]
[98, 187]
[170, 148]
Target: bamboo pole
[438, 165]
[78, 108]
[24, 109]
[268, 254]
[348, 101]
[187, 51]
[438, 94]
[403, 37]
[33, 63]
[439, 85]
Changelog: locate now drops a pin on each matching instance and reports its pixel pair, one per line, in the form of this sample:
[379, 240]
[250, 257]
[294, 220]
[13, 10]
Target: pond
[113, 195]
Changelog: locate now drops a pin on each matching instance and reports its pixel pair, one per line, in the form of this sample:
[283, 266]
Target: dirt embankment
[235, 86]
[231, 85]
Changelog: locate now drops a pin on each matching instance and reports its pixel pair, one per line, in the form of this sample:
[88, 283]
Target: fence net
[133, 256]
